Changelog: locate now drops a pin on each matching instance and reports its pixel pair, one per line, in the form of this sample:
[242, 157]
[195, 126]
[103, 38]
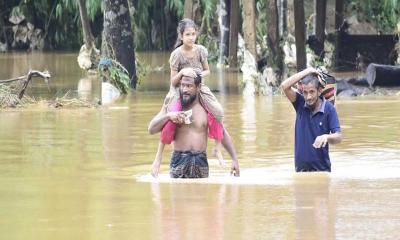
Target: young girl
[189, 59]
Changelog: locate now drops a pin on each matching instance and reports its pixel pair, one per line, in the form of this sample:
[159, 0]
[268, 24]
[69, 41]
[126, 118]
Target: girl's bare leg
[218, 153]
[155, 167]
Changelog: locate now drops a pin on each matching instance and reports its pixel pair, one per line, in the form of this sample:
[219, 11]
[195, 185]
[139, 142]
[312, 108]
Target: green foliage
[208, 9]
[142, 70]
[115, 74]
[94, 8]
[59, 19]
[385, 13]
[261, 29]
[141, 24]
[176, 6]
[211, 43]
[119, 78]
[154, 23]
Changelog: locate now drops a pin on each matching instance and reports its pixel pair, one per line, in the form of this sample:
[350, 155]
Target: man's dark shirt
[308, 127]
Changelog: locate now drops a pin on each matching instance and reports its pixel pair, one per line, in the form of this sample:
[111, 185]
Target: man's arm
[332, 138]
[176, 76]
[228, 145]
[158, 122]
[206, 69]
[287, 85]
[335, 135]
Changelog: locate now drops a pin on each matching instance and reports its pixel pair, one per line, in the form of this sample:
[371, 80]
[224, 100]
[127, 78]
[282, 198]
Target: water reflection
[115, 122]
[315, 206]
[248, 117]
[179, 213]
[85, 88]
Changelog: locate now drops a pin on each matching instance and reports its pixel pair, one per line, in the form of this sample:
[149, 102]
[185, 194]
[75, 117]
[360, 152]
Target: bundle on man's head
[326, 81]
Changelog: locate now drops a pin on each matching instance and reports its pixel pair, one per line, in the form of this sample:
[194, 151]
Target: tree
[118, 36]
[282, 13]
[339, 19]
[88, 55]
[319, 23]
[223, 19]
[275, 52]
[339, 16]
[300, 34]
[233, 33]
[188, 9]
[249, 28]
[87, 33]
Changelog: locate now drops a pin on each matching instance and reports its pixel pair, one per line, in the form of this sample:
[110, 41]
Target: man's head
[189, 89]
[311, 90]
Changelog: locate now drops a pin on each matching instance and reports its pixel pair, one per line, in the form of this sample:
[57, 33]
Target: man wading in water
[189, 159]
[317, 122]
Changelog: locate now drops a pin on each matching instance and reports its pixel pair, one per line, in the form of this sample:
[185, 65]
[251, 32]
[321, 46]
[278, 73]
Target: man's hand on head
[189, 72]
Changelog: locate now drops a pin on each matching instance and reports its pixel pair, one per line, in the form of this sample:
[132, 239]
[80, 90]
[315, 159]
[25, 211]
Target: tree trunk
[339, 7]
[163, 25]
[339, 19]
[319, 23]
[87, 33]
[118, 35]
[275, 56]
[3, 32]
[188, 9]
[227, 24]
[290, 17]
[233, 33]
[223, 22]
[300, 34]
[282, 16]
[249, 28]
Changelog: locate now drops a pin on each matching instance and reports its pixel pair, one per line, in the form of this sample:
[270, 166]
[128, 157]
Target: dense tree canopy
[154, 21]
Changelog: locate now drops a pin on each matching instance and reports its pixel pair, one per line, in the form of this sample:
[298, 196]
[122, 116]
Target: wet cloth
[215, 128]
[189, 164]
[308, 127]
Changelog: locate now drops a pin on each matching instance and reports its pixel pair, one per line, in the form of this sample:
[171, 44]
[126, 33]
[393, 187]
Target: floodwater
[83, 173]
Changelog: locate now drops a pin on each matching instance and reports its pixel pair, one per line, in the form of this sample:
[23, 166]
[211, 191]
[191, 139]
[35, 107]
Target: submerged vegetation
[114, 73]
[12, 91]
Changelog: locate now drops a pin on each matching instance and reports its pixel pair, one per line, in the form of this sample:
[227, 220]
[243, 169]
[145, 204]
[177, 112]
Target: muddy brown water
[83, 173]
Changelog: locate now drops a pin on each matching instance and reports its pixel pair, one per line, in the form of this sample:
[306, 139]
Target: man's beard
[187, 101]
[312, 105]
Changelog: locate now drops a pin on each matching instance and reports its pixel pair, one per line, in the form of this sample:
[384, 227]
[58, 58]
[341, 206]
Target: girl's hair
[182, 25]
